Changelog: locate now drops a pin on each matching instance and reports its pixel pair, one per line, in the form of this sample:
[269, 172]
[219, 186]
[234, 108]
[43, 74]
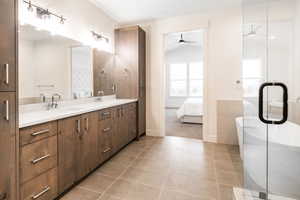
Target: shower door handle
[284, 100]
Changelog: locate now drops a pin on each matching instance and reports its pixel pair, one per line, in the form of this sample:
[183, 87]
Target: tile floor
[170, 168]
[175, 128]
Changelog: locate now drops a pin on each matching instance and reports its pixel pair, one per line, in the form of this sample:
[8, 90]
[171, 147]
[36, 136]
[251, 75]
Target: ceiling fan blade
[190, 42]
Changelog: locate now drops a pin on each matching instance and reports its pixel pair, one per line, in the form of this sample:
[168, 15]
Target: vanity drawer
[37, 158]
[105, 114]
[105, 140]
[34, 133]
[43, 187]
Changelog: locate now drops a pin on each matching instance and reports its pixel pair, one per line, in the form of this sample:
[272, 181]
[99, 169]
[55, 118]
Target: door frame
[163, 95]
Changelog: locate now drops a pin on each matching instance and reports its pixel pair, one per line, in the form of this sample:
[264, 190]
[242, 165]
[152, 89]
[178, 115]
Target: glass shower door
[284, 67]
[255, 133]
[271, 75]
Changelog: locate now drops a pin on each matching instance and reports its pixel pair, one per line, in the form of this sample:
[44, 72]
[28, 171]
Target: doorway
[184, 84]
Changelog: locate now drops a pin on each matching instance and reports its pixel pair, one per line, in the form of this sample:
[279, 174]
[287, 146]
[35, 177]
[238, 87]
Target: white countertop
[34, 117]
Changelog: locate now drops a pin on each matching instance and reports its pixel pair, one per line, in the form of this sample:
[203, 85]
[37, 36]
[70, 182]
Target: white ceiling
[142, 10]
[171, 41]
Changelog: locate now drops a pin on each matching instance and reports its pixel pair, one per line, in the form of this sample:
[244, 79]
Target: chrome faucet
[54, 102]
[114, 89]
[100, 95]
[43, 97]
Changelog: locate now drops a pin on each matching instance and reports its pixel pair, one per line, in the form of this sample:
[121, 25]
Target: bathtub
[283, 155]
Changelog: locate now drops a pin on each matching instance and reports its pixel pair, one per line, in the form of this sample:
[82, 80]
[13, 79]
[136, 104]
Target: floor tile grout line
[162, 187]
[118, 178]
[90, 190]
[217, 181]
[164, 184]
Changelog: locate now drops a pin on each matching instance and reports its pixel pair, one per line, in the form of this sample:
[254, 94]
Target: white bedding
[192, 107]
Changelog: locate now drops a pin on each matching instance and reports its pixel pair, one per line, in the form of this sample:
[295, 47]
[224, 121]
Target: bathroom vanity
[59, 147]
[54, 127]
[78, 107]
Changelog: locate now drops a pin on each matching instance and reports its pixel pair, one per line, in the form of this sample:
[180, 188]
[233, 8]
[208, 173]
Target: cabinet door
[126, 70]
[87, 149]
[132, 122]
[125, 125]
[142, 112]
[68, 133]
[8, 45]
[117, 134]
[7, 143]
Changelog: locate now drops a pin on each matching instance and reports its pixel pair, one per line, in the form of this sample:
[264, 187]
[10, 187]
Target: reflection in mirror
[82, 73]
[52, 64]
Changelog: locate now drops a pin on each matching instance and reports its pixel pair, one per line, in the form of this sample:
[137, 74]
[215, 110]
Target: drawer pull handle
[106, 129]
[78, 128]
[106, 114]
[6, 66]
[41, 193]
[40, 159]
[40, 132]
[6, 103]
[107, 150]
[86, 124]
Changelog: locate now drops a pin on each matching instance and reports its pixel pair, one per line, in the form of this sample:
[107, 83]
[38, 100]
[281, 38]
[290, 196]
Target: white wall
[26, 69]
[184, 54]
[223, 58]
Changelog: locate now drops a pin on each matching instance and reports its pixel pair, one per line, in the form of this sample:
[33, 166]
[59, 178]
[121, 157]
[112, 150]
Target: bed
[191, 111]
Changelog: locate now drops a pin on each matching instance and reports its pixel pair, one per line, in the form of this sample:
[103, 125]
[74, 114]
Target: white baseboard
[153, 133]
[210, 138]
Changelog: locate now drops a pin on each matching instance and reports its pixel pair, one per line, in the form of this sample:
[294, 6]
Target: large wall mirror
[52, 64]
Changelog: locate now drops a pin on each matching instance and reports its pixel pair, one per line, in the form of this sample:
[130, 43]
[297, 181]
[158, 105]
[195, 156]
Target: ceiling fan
[183, 41]
[254, 33]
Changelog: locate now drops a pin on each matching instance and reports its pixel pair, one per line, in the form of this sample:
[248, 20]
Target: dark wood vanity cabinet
[130, 70]
[8, 114]
[8, 48]
[132, 121]
[77, 148]
[120, 135]
[7, 146]
[106, 129]
[125, 125]
[56, 155]
[68, 136]
[87, 145]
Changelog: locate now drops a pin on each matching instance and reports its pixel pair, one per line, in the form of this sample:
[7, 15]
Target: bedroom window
[186, 80]
[252, 76]
[178, 80]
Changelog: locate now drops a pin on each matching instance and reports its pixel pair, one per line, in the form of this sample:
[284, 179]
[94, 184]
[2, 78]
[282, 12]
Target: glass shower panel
[284, 67]
[255, 29]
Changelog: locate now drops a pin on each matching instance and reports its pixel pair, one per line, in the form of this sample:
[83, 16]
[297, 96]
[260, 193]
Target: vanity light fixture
[30, 8]
[62, 20]
[99, 37]
[43, 13]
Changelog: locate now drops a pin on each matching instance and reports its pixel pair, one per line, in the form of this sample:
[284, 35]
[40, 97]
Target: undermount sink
[71, 108]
